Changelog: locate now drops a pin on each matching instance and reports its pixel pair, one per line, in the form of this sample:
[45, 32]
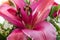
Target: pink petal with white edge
[34, 4]
[19, 3]
[9, 16]
[17, 35]
[42, 31]
[42, 10]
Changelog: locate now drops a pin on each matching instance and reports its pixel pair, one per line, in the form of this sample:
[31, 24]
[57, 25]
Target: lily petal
[42, 31]
[21, 4]
[34, 4]
[17, 35]
[5, 11]
[42, 10]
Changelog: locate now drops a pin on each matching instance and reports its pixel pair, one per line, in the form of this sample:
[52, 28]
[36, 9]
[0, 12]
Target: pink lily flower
[55, 4]
[29, 17]
[57, 12]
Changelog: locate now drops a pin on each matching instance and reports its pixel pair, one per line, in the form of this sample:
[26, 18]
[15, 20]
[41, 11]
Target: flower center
[28, 10]
[29, 26]
[29, 38]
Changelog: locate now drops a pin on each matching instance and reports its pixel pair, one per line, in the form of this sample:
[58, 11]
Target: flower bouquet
[30, 20]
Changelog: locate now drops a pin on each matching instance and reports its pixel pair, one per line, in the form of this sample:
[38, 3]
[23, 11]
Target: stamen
[28, 10]
[19, 13]
[11, 3]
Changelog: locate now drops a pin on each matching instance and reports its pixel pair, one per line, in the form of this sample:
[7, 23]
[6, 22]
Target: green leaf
[58, 7]
[58, 37]
[55, 25]
[1, 25]
[2, 37]
[52, 11]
